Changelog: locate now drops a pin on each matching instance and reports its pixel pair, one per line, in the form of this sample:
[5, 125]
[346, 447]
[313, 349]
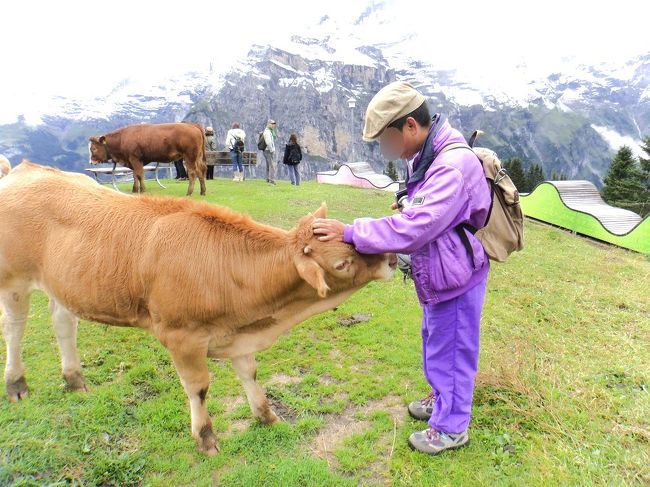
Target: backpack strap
[475, 135]
[461, 230]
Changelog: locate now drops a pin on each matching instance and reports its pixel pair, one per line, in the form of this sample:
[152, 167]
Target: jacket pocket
[420, 267]
[451, 267]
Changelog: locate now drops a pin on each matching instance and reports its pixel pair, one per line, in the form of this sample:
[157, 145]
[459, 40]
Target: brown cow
[204, 280]
[136, 145]
[5, 166]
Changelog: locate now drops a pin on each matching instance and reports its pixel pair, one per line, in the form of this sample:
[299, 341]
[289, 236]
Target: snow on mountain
[137, 96]
[568, 114]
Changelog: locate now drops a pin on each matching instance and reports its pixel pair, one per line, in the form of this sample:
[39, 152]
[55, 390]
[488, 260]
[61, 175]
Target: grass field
[561, 399]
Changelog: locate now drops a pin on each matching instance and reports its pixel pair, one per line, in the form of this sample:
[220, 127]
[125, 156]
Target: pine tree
[624, 180]
[391, 171]
[534, 176]
[643, 207]
[516, 173]
[645, 166]
[558, 176]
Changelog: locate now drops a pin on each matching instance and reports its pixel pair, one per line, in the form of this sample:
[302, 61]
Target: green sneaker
[432, 442]
[423, 408]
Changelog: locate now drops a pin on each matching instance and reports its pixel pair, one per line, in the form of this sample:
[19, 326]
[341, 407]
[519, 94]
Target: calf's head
[98, 150]
[331, 267]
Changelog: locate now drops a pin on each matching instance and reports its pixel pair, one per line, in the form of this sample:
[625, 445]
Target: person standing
[210, 145]
[235, 142]
[267, 145]
[446, 193]
[292, 157]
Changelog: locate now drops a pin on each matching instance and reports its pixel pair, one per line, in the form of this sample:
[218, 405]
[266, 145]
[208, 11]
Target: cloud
[83, 48]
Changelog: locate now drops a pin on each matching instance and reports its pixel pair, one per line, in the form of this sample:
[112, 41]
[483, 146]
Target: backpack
[295, 155]
[503, 232]
[238, 145]
[261, 143]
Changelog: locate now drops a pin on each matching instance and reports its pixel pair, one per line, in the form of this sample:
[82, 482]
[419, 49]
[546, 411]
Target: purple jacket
[452, 191]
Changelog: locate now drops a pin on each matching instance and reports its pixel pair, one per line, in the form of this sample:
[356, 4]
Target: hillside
[561, 398]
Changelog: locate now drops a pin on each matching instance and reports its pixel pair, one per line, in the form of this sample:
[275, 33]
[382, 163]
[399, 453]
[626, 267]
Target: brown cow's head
[336, 266]
[98, 150]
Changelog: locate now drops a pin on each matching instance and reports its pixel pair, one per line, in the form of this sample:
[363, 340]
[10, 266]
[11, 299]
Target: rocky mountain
[568, 123]
[58, 133]
[570, 119]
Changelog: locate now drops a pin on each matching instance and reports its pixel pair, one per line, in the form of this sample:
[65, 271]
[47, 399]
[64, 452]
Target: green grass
[561, 398]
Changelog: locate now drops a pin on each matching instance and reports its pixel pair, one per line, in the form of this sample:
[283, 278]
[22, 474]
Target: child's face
[405, 143]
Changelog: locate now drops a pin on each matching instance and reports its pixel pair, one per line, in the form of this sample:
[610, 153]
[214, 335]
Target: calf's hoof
[207, 442]
[75, 382]
[269, 417]
[17, 389]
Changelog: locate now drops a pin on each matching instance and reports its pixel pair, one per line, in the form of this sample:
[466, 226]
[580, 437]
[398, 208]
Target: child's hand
[328, 229]
[395, 206]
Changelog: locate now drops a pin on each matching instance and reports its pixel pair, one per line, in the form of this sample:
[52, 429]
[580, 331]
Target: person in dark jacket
[181, 174]
[292, 157]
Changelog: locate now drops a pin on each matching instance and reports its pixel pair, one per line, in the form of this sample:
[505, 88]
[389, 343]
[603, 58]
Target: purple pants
[450, 346]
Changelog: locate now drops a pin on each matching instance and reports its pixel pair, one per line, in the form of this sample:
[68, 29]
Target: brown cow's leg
[136, 183]
[192, 367]
[15, 308]
[65, 328]
[202, 174]
[191, 173]
[138, 175]
[246, 370]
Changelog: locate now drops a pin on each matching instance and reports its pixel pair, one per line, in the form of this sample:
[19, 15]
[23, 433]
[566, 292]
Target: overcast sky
[81, 48]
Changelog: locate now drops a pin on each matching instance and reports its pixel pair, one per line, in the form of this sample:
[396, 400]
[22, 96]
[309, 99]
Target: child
[292, 157]
[445, 191]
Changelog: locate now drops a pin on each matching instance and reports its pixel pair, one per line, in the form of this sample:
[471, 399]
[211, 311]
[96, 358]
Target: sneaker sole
[419, 418]
[441, 451]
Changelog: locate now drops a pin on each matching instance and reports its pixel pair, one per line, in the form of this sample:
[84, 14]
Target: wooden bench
[222, 158]
[124, 171]
[213, 158]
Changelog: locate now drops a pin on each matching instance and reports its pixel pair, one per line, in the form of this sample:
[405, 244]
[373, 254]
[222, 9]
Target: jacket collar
[427, 154]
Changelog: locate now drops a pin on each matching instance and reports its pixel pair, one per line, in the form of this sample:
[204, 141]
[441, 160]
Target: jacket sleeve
[228, 140]
[268, 138]
[432, 211]
[285, 159]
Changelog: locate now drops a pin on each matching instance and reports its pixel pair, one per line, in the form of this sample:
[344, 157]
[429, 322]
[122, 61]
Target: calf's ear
[312, 273]
[322, 211]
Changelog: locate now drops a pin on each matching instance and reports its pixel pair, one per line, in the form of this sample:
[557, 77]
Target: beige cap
[390, 103]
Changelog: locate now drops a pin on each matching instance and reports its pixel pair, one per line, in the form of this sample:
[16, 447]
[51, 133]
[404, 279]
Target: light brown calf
[206, 281]
[5, 166]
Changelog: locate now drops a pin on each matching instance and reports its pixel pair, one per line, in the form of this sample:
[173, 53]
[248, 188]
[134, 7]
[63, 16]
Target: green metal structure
[578, 206]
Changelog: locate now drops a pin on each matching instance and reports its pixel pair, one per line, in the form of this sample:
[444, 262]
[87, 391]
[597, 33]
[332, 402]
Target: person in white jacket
[235, 139]
[269, 152]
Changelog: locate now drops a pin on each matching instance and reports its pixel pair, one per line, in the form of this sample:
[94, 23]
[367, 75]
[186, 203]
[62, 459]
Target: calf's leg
[15, 308]
[246, 369]
[190, 360]
[65, 328]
